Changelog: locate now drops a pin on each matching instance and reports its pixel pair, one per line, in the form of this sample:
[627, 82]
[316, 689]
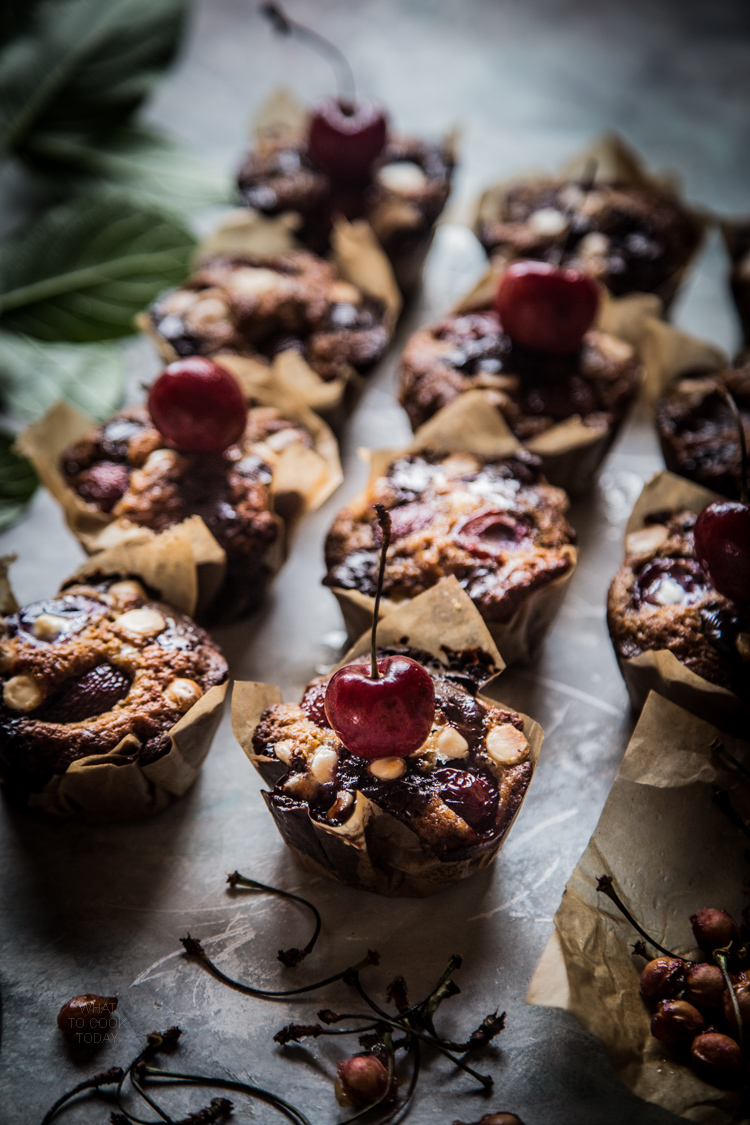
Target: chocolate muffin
[661, 599]
[263, 306]
[737, 239]
[698, 431]
[533, 390]
[402, 200]
[124, 468]
[496, 525]
[97, 664]
[447, 805]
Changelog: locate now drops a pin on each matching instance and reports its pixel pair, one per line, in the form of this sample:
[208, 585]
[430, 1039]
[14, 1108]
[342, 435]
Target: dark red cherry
[717, 1059]
[491, 532]
[383, 718]
[471, 796]
[704, 985]
[103, 484]
[663, 978]
[198, 406]
[676, 1021]
[546, 308]
[722, 546]
[87, 1012]
[713, 928]
[346, 137]
[361, 1080]
[670, 582]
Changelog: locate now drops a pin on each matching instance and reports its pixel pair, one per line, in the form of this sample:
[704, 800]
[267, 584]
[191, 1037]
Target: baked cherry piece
[473, 797]
[346, 137]
[385, 709]
[546, 308]
[198, 406]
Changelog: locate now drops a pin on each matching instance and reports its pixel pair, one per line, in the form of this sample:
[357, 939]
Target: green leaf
[18, 482]
[83, 269]
[33, 376]
[149, 166]
[84, 66]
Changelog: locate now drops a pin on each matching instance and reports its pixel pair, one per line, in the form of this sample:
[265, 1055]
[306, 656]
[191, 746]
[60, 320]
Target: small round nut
[183, 693]
[506, 745]
[452, 744]
[323, 765]
[48, 626]
[21, 693]
[387, 769]
[143, 622]
[127, 591]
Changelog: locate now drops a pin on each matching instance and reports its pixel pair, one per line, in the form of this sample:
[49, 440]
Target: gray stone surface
[102, 909]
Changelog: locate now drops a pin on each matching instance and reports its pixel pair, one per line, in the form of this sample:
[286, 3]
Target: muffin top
[533, 390]
[458, 792]
[496, 525]
[633, 238]
[263, 306]
[82, 671]
[697, 427]
[661, 599]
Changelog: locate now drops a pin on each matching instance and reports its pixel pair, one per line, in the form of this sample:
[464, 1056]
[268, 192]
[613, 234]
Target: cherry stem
[721, 957]
[228, 1084]
[340, 64]
[606, 887]
[288, 957]
[108, 1078]
[743, 444]
[385, 526]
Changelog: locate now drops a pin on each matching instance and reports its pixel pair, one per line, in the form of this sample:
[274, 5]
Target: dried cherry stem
[721, 957]
[721, 799]
[721, 749]
[275, 1100]
[193, 948]
[107, 1078]
[606, 887]
[744, 483]
[340, 64]
[384, 520]
[154, 1042]
[288, 957]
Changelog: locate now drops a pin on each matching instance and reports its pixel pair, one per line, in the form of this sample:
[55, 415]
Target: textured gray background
[102, 909]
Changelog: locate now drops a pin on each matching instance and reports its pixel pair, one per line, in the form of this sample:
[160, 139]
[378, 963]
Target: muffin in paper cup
[605, 213]
[119, 483]
[463, 500]
[398, 827]
[316, 325]
[566, 409]
[670, 852]
[110, 694]
[401, 201]
[687, 643]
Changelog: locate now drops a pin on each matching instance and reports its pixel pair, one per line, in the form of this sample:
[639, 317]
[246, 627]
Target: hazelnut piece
[21, 693]
[183, 693]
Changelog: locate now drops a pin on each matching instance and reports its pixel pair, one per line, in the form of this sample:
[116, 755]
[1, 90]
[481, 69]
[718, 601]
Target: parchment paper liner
[659, 670]
[616, 162]
[571, 451]
[670, 852]
[734, 232]
[668, 353]
[113, 787]
[302, 478]
[466, 426]
[374, 851]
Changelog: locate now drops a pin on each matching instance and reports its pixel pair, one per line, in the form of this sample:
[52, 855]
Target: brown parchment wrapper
[735, 235]
[616, 162]
[465, 426]
[106, 788]
[670, 852]
[373, 851]
[668, 352]
[659, 670]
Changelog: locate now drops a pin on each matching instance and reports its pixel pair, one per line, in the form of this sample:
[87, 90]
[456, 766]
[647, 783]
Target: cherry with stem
[111, 1077]
[343, 72]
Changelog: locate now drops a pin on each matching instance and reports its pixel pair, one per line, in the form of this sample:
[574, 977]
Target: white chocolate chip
[344, 293]
[249, 281]
[206, 313]
[669, 592]
[48, 627]
[127, 591]
[21, 693]
[284, 750]
[593, 245]
[451, 744]
[506, 745]
[548, 221]
[183, 693]
[387, 769]
[646, 539]
[403, 176]
[143, 622]
[323, 765]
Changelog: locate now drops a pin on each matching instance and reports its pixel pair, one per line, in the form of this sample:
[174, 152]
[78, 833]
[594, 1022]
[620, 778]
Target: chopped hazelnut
[323, 764]
[48, 627]
[183, 693]
[344, 800]
[127, 591]
[646, 539]
[506, 745]
[21, 693]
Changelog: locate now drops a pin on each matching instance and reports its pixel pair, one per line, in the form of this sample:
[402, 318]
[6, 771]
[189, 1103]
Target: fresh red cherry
[346, 137]
[722, 547]
[385, 709]
[198, 406]
[546, 308]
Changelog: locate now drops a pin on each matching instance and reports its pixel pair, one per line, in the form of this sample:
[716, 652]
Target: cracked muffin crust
[458, 792]
[124, 468]
[532, 390]
[263, 306]
[402, 200]
[496, 525]
[635, 239]
[83, 670]
[661, 599]
[697, 429]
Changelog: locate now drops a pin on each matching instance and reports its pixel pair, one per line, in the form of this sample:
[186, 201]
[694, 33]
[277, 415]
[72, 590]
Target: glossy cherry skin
[546, 308]
[198, 406]
[88, 1012]
[345, 138]
[383, 718]
[469, 795]
[722, 546]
